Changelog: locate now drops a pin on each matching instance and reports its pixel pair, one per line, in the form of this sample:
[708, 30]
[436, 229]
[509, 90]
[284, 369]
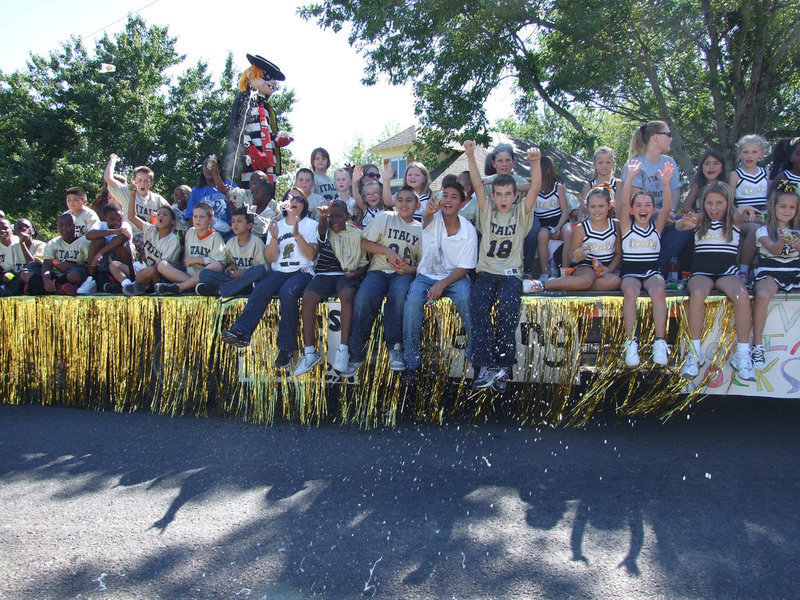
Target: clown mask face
[265, 87]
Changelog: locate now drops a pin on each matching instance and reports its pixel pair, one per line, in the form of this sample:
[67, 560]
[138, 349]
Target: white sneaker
[341, 360]
[744, 365]
[660, 352]
[307, 362]
[691, 368]
[631, 353]
[396, 362]
[757, 354]
[88, 287]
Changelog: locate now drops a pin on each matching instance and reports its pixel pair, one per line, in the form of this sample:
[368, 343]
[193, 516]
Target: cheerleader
[641, 244]
[596, 250]
[778, 258]
[714, 266]
[749, 184]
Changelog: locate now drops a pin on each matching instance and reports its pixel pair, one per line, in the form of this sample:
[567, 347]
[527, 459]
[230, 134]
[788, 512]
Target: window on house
[399, 165]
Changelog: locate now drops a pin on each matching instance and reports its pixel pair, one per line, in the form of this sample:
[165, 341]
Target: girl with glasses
[649, 146]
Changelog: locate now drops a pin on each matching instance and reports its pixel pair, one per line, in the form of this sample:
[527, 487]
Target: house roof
[574, 172]
[404, 138]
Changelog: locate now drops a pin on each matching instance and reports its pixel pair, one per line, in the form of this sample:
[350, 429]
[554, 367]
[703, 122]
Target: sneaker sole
[234, 340]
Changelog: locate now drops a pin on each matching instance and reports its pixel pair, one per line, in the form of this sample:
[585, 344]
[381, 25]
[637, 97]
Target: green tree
[713, 69]
[62, 117]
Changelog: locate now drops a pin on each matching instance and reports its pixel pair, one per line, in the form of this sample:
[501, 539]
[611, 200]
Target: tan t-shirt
[244, 257]
[76, 252]
[145, 207]
[500, 250]
[18, 258]
[85, 221]
[389, 229]
[157, 248]
[209, 248]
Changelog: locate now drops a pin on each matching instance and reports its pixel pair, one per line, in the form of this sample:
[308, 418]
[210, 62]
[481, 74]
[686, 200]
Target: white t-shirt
[442, 254]
[290, 258]
[103, 226]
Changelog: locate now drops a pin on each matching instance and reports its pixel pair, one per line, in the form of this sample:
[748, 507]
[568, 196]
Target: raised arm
[108, 174]
[624, 204]
[386, 179]
[323, 210]
[666, 199]
[133, 218]
[358, 175]
[534, 158]
[475, 176]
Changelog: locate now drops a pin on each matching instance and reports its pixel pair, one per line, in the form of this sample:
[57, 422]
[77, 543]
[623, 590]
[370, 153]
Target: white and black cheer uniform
[783, 267]
[612, 182]
[795, 179]
[548, 208]
[751, 190]
[640, 250]
[714, 256]
[602, 245]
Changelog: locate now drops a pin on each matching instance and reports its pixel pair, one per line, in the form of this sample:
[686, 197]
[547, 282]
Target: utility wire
[104, 27]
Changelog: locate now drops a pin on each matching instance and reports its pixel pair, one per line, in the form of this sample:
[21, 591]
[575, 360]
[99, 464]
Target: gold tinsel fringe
[165, 356]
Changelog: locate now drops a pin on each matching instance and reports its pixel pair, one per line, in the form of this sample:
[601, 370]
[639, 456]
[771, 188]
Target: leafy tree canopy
[713, 69]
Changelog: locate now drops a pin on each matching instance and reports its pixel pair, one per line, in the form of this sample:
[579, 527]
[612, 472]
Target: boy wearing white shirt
[449, 251]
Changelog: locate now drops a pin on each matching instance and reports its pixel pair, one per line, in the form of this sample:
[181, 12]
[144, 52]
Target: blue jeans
[414, 311]
[289, 289]
[496, 348]
[367, 303]
[530, 244]
[227, 285]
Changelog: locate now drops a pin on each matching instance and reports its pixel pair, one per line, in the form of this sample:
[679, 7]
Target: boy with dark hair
[23, 259]
[110, 242]
[245, 261]
[64, 262]
[449, 251]
[159, 242]
[85, 218]
[504, 225]
[304, 180]
[394, 239]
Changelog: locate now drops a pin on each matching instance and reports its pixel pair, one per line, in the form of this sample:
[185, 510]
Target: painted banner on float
[780, 378]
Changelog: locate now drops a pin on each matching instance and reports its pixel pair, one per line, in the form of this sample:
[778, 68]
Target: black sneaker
[135, 289]
[283, 360]
[234, 337]
[203, 289]
[112, 288]
[167, 289]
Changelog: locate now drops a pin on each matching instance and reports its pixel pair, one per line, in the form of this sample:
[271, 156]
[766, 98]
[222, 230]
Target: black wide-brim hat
[271, 71]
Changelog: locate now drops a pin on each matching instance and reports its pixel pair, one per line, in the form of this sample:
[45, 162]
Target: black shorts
[327, 286]
[550, 221]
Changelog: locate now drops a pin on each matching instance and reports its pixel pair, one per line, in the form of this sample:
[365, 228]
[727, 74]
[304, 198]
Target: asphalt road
[105, 505]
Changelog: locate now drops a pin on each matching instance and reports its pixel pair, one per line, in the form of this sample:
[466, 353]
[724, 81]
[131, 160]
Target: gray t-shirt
[648, 181]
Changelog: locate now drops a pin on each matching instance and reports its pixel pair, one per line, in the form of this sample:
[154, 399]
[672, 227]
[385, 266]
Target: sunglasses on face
[374, 175]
